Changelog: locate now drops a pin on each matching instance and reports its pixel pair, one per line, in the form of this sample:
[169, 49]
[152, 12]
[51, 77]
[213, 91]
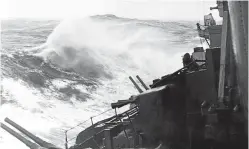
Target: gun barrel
[120, 104]
[19, 137]
[135, 84]
[216, 7]
[142, 82]
[30, 135]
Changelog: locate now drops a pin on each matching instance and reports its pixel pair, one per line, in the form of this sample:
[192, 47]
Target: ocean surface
[56, 74]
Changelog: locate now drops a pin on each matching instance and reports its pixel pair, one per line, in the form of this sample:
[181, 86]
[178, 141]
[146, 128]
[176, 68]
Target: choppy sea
[56, 74]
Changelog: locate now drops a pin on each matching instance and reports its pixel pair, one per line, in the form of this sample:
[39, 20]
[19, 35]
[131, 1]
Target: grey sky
[143, 9]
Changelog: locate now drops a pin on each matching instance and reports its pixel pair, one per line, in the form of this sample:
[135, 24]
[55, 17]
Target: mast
[238, 11]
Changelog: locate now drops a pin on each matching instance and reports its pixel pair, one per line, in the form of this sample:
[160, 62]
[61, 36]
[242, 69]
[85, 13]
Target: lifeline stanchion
[66, 137]
[91, 120]
[66, 142]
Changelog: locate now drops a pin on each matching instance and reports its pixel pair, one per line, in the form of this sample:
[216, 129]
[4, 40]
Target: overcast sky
[142, 9]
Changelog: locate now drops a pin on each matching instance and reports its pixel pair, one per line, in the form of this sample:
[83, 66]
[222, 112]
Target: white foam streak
[20, 93]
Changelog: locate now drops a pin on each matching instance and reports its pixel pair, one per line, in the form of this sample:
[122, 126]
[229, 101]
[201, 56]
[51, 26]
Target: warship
[202, 105]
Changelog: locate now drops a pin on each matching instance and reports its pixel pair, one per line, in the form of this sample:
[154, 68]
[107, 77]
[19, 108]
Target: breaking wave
[59, 74]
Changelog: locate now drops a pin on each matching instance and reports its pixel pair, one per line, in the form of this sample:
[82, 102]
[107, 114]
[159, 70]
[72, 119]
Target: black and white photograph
[124, 74]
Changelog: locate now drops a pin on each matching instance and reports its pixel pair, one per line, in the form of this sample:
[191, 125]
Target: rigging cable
[199, 21]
